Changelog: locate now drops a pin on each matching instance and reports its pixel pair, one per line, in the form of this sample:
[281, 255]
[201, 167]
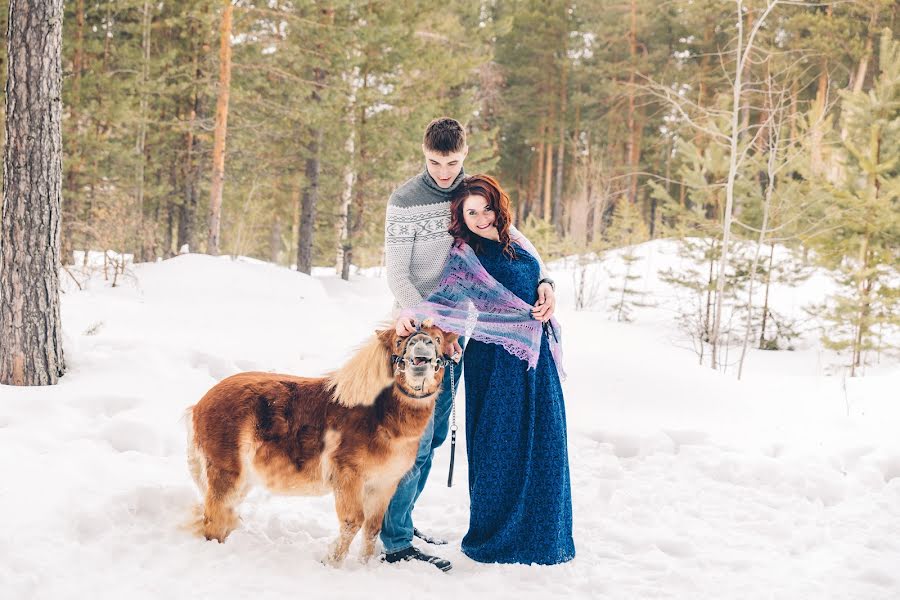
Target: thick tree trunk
[31, 350]
[218, 174]
[313, 165]
[309, 202]
[187, 221]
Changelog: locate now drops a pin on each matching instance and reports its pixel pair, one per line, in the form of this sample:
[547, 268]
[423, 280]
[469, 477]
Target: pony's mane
[364, 376]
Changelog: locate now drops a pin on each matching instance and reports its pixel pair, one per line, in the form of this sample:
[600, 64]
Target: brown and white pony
[354, 432]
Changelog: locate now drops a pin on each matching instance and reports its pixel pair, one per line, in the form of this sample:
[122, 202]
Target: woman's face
[480, 218]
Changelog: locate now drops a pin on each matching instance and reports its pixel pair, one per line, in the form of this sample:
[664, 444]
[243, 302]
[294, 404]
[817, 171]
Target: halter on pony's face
[419, 351]
[418, 360]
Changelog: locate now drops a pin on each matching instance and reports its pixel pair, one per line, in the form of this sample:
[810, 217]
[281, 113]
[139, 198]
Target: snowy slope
[686, 483]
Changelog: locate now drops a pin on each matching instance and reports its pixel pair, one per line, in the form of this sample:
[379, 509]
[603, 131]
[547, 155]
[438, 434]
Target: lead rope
[453, 427]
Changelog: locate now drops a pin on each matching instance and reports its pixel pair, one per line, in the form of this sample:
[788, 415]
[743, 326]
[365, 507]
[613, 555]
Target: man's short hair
[445, 135]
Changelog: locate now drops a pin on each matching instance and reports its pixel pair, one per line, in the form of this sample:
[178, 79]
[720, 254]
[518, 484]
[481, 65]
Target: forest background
[278, 129]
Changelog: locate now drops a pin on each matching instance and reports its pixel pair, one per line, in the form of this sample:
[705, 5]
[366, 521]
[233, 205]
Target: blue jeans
[397, 526]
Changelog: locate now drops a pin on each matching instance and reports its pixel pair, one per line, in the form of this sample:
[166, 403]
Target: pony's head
[415, 363]
[418, 359]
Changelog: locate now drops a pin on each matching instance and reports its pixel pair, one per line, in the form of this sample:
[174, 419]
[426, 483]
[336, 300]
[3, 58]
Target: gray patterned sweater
[416, 240]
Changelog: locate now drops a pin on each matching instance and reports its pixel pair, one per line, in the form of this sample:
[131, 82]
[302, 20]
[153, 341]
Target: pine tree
[31, 351]
[627, 231]
[865, 243]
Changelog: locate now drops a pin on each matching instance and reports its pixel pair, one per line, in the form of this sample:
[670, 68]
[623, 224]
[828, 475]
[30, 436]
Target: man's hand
[546, 304]
[405, 326]
[453, 350]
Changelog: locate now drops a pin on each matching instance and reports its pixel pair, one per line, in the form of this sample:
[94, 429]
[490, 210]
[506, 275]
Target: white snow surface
[686, 482]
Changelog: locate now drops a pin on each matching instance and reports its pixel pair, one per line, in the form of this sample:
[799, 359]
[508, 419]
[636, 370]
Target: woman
[521, 504]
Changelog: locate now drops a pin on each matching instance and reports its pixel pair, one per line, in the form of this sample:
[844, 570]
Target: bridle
[438, 362]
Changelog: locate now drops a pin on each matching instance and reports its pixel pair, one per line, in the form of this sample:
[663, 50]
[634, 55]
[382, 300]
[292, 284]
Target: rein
[439, 362]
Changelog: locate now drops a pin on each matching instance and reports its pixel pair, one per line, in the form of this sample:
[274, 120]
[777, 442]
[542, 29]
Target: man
[417, 245]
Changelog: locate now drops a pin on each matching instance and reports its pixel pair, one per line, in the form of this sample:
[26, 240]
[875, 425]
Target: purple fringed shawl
[469, 301]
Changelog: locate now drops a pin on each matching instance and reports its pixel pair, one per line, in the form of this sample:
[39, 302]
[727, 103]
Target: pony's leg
[224, 493]
[375, 503]
[195, 457]
[349, 506]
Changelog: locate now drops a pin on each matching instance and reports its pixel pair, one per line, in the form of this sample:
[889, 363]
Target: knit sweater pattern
[416, 237]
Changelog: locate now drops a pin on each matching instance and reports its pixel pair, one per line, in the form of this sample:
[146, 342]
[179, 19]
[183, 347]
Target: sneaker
[428, 539]
[413, 553]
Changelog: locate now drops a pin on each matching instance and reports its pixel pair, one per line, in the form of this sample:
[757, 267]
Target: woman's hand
[546, 304]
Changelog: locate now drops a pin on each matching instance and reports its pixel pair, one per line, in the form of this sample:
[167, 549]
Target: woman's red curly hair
[497, 200]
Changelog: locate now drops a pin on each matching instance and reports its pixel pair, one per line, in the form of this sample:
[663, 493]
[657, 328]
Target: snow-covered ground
[686, 482]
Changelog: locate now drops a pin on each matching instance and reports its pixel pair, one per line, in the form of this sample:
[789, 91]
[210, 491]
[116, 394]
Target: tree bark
[342, 227]
[742, 54]
[218, 174]
[539, 179]
[313, 165]
[309, 202]
[70, 207]
[187, 221]
[634, 142]
[31, 351]
[357, 208]
[560, 153]
[859, 78]
[546, 211]
[140, 239]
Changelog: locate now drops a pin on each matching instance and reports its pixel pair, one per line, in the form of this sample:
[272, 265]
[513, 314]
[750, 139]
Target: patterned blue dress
[521, 499]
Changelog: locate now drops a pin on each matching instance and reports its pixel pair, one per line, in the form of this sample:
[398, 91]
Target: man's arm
[399, 239]
[518, 237]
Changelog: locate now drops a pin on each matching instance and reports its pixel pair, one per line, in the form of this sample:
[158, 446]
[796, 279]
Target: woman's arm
[519, 237]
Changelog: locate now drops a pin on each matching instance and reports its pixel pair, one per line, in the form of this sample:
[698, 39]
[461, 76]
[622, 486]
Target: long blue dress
[521, 499]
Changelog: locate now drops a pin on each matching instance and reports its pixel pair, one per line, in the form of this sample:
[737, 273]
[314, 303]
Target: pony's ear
[385, 336]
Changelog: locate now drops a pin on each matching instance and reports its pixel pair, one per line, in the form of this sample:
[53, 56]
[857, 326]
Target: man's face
[444, 168]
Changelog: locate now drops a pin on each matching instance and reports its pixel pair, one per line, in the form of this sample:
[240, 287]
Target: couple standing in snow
[450, 248]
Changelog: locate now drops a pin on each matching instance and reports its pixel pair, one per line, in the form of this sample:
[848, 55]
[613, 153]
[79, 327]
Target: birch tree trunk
[774, 131]
[31, 350]
[356, 210]
[218, 174]
[743, 55]
[342, 227]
